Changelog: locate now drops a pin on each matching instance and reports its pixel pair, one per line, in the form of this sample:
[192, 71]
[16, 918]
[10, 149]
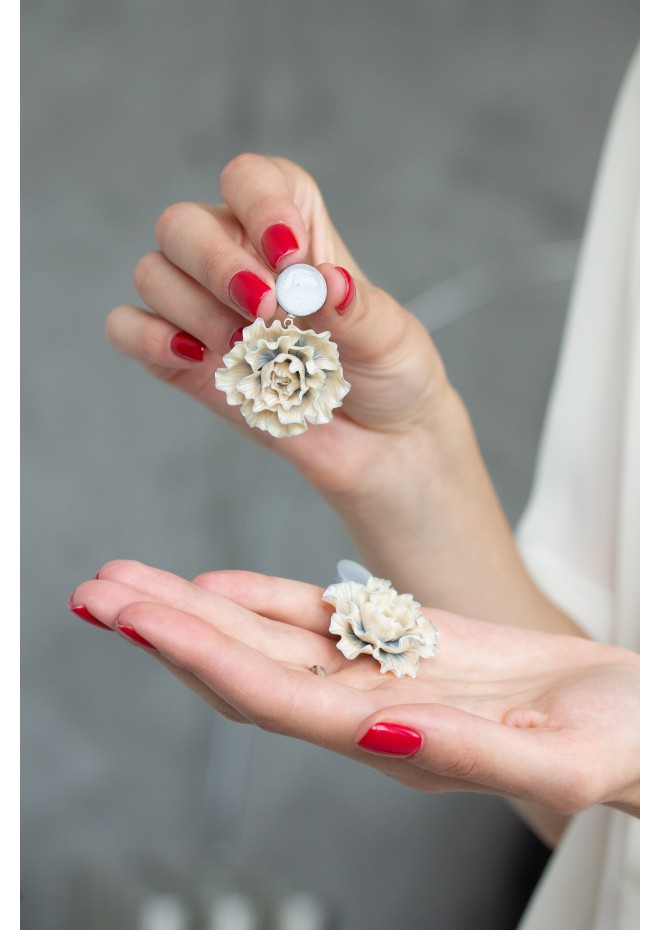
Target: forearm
[427, 517]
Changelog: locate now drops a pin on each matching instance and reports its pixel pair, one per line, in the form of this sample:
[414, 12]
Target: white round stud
[301, 290]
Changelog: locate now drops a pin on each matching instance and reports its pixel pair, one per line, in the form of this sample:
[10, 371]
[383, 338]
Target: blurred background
[456, 143]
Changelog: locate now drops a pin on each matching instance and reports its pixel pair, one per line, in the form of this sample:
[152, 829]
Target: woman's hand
[518, 713]
[215, 271]
[399, 462]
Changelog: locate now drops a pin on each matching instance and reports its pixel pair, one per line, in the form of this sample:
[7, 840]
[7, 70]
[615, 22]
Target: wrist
[430, 451]
[424, 514]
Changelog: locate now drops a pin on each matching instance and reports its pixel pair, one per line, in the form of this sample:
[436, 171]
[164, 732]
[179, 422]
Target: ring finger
[207, 245]
[183, 301]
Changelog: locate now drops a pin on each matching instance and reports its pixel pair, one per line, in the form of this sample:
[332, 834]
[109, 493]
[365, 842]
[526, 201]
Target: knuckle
[267, 205]
[145, 272]
[462, 764]
[170, 220]
[212, 271]
[238, 165]
[150, 344]
[113, 326]
[205, 581]
[122, 570]
[299, 175]
[280, 719]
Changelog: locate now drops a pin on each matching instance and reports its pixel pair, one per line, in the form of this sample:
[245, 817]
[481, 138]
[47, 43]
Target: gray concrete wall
[456, 142]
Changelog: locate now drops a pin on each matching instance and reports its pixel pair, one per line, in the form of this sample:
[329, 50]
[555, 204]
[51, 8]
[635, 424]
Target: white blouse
[579, 535]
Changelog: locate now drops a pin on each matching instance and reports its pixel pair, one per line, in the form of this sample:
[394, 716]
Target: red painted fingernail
[278, 241]
[391, 739]
[81, 611]
[247, 290]
[132, 634]
[236, 336]
[186, 346]
[350, 290]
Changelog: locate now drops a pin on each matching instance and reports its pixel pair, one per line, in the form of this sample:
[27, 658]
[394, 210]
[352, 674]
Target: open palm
[504, 710]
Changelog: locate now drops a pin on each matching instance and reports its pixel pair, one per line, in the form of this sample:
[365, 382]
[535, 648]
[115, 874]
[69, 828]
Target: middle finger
[209, 246]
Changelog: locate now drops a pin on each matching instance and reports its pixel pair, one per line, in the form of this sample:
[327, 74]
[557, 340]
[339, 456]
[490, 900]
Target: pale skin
[504, 710]
[401, 418]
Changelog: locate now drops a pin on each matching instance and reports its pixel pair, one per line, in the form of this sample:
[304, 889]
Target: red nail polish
[236, 336]
[391, 739]
[81, 611]
[350, 290]
[186, 346]
[247, 290]
[132, 634]
[276, 242]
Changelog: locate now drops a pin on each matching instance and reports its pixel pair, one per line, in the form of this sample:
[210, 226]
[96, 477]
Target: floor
[456, 143]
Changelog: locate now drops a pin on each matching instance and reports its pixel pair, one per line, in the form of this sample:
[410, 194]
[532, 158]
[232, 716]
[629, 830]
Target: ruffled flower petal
[283, 379]
[375, 619]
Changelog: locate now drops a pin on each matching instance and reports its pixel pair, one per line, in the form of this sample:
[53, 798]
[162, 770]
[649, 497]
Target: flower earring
[371, 618]
[284, 378]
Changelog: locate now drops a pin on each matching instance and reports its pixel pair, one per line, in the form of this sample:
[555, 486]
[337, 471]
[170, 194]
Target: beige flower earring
[284, 378]
[371, 618]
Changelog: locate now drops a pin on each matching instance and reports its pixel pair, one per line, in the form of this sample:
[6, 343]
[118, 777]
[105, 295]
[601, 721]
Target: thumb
[368, 324]
[475, 754]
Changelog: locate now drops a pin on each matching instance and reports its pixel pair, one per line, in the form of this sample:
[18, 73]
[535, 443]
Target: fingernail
[81, 611]
[350, 290]
[186, 346]
[247, 290]
[236, 336]
[278, 241]
[391, 739]
[132, 634]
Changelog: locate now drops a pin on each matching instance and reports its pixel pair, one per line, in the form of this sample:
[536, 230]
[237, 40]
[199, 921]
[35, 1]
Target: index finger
[260, 193]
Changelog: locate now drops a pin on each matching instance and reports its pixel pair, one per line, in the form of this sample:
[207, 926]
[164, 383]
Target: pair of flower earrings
[283, 378]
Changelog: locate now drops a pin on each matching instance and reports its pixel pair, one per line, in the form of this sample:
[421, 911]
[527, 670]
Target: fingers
[274, 216]
[207, 245]
[216, 258]
[260, 193]
[122, 583]
[152, 340]
[174, 356]
[546, 766]
[267, 693]
[182, 301]
[215, 272]
[292, 602]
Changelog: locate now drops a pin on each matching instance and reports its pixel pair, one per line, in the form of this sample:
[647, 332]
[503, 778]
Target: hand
[215, 270]
[508, 711]
[400, 454]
